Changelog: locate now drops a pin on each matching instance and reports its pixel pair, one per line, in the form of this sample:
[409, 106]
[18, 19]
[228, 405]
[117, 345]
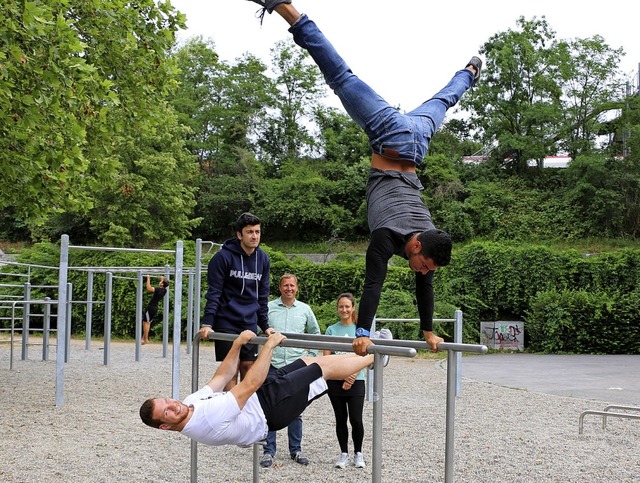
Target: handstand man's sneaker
[476, 63]
[384, 334]
[268, 5]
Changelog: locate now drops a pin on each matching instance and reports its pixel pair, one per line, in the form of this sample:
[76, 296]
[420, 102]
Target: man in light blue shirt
[287, 314]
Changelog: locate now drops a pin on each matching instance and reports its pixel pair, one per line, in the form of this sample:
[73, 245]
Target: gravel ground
[502, 434]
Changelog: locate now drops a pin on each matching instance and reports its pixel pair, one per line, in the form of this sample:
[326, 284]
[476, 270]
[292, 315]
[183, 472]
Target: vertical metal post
[256, 462]
[197, 286]
[11, 338]
[61, 328]
[457, 338]
[369, 385]
[376, 458]
[25, 321]
[177, 320]
[195, 370]
[189, 312]
[139, 309]
[69, 323]
[450, 418]
[89, 312]
[46, 327]
[108, 295]
[165, 315]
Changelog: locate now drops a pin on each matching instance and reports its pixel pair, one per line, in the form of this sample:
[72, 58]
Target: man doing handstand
[263, 401]
[399, 221]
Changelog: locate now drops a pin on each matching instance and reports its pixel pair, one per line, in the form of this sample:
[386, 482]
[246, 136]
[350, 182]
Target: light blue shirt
[344, 331]
[298, 319]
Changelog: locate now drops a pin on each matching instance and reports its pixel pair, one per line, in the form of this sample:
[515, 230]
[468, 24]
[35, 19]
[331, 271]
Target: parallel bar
[319, 344]
[414, 344]
[382, 346]
[617, 406]
[604, 414]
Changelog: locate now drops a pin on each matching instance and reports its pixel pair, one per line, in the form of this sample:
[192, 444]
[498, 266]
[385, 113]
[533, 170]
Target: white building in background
[549, 161]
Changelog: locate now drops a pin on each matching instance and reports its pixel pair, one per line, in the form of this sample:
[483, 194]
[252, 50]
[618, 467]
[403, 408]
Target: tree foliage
[73, 74]
[540, 94]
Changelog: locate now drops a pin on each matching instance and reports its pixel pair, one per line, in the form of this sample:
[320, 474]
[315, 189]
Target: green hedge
[570, 302]
[585, 322]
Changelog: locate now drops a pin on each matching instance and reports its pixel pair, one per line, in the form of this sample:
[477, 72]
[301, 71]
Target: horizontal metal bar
[145, 270]
[320, 344]
[414, 344]
[20, 264]
[30, 302]
[119, 249]
[604, 414]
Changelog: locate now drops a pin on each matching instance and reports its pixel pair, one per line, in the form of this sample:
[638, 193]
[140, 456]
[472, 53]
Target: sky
[407, 49]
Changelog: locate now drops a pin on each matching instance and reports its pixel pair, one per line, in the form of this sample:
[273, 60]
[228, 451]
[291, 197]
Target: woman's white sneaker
[343, 461]
[358, 460]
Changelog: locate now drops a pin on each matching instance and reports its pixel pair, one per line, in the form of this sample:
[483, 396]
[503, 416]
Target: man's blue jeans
[295, 438]
[391, 133]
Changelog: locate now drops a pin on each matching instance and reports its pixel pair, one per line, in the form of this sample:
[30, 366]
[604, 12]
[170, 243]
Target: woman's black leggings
[349, 407]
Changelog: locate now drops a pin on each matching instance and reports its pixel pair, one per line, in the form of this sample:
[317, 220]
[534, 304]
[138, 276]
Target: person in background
[347, 395]
[288, 314]
[238, 292]
[152, 307]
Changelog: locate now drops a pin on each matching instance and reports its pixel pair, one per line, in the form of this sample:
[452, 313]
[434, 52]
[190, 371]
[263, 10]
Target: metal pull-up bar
[403, 348]
[320, 342]
[452, 376]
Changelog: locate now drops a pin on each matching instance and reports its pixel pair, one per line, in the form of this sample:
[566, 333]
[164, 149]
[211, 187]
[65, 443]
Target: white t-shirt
[217, 419]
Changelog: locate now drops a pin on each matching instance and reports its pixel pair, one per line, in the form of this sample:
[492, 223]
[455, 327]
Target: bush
[584, 322]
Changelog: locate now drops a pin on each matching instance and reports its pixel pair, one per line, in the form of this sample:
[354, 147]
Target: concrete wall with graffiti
[502, 335]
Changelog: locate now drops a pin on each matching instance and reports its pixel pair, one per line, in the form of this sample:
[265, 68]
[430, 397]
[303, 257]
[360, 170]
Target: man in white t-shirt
[263, 401]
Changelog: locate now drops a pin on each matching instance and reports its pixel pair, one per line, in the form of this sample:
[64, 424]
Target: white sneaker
[384, 334]
[358, 460]
[343, 461]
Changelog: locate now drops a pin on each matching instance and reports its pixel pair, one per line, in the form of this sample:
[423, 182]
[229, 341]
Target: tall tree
[288, 133]
[73, 74]
[541, 95]
[592, 87]
[518, 102]
[224, 106]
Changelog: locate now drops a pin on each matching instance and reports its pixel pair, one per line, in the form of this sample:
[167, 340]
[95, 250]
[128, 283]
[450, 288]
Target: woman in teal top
[347, 396]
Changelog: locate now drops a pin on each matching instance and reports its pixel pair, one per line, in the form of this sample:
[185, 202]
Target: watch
[360, 332]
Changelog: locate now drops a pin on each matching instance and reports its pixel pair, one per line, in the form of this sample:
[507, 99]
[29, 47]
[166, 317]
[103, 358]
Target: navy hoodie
[238, 289]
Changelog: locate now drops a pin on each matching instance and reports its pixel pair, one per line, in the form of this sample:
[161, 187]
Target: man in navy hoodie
[238, 292]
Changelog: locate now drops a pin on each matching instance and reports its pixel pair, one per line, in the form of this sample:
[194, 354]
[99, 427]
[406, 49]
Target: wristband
[360, 332]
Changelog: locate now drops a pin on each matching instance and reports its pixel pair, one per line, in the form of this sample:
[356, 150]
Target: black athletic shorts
[248, 352]
[284, 395]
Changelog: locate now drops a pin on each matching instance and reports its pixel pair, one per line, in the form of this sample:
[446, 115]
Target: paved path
[613, 379]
